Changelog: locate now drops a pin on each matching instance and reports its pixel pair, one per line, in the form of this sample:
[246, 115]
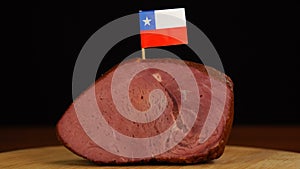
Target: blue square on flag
[147, 20]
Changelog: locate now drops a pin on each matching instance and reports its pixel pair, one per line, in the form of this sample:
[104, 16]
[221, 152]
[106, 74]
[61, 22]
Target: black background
[258, 44]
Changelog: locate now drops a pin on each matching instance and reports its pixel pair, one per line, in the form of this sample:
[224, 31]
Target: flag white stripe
[169, 18]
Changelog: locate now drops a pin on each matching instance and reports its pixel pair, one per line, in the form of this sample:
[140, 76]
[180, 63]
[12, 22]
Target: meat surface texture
[151, 111]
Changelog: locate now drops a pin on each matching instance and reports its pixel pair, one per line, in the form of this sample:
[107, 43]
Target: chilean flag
[163, 27]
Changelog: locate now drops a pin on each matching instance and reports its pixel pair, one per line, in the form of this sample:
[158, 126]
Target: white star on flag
[147, 21]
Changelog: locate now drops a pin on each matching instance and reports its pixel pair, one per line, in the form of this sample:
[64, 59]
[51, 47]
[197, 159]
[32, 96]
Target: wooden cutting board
[57, 157]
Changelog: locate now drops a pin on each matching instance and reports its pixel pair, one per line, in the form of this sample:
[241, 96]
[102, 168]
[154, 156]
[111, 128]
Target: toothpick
[143, 54]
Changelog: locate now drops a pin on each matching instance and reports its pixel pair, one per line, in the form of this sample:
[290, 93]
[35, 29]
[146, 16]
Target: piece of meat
[151, 111]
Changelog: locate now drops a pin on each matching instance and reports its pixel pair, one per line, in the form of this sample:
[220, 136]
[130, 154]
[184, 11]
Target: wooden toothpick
[143, 54]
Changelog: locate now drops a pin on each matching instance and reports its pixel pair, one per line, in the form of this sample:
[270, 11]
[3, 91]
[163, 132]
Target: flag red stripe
[164, 37]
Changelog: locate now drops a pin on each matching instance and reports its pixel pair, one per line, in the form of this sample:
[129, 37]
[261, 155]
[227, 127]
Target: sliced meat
[151, 111]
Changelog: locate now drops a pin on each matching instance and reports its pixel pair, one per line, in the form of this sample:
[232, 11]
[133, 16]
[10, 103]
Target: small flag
[163, 27]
